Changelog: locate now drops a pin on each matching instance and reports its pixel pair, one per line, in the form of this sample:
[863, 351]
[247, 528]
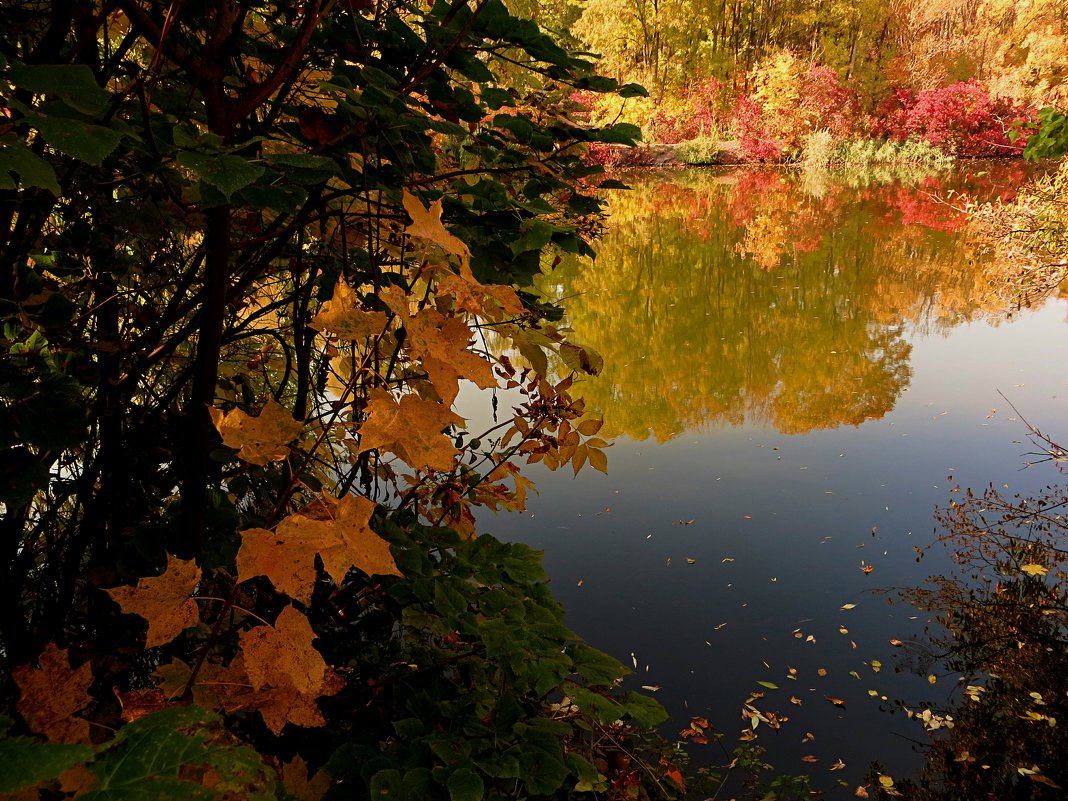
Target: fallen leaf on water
[768, 684]
[651, 688]
[848, 606]
[810, 758]
[690, 560]
[821, 672]
[728, 558]
[838, 765]
[795, 700]
[860, 792]
[836, 701]
[932, 679]
[896, 643]
[866, 568]
[809, 737]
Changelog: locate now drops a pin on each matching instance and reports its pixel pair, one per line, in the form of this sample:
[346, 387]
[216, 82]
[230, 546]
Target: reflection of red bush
[962, 119]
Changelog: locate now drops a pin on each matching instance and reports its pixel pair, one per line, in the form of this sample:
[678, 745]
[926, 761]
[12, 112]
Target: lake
[797, 373]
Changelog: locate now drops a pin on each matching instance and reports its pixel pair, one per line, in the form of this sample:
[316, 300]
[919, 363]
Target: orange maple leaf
[230, 689]
[411, 429]
[52, 694]
[283, 654]
[164, 601]
[344, 316]
[341, 534]
[260, 439]
[442, 344]
[471, 295]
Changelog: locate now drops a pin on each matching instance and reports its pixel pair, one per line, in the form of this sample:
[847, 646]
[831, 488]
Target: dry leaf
[836, 701]
[810, 758]
[1034, 570]
[340, 533]
[164, 601]
[52, 694]
[344, 316]
[261, 439]
[411, 429]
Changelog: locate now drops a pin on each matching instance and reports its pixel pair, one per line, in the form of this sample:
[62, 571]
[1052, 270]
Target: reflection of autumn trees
[1006, 618]
[722, 297]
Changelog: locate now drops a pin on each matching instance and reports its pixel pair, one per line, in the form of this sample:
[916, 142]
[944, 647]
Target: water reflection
[718, 298]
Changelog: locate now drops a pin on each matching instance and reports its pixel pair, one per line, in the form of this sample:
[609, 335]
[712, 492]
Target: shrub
[700, 150]
[962, 119]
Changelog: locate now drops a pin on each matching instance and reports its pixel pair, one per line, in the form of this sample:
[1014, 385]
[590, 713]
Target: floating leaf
[848, 606]
[768, 684]
[838, 765]
[1033, 569]
[52, 694]
[836, 701]
[261, 439]
[164, 601]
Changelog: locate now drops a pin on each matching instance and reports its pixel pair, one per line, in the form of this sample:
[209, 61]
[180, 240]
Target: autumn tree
[250, 252]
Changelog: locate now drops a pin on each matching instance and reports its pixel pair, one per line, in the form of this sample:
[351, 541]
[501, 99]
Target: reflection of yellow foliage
[804, 333]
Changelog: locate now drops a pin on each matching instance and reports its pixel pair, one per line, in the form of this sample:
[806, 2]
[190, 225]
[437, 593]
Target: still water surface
[796, 376]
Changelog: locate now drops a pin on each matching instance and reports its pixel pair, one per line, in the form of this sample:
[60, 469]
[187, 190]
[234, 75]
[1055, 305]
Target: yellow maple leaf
[260, 439]
[51, 694]
[164, 601]
[1034, 570]
[471, 295]
[426, 224]
[342, 537]
[411, 429]
[344, 316]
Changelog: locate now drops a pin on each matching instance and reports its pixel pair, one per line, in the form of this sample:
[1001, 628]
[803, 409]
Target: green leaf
[27, 763]
[643, 710]
[31, 169]
[74, 84]
[79, 140]
[768, 684]
[387, 784]
[162, 757]
[22, 475]
[224, 172]
[464, 784]
[596, 667]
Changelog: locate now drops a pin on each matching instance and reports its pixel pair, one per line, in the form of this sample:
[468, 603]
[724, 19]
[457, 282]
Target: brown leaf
[340, 533]
[138, 703]
[426, 224]
[164, 601]
[51, 694]
[411, 429]
[810, 758]
[836, 701]
[302, 786]
[344, 316]
[260, 439]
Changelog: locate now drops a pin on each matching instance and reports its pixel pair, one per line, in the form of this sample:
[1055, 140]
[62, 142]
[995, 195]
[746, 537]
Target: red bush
[962, 119]
[756, 140]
